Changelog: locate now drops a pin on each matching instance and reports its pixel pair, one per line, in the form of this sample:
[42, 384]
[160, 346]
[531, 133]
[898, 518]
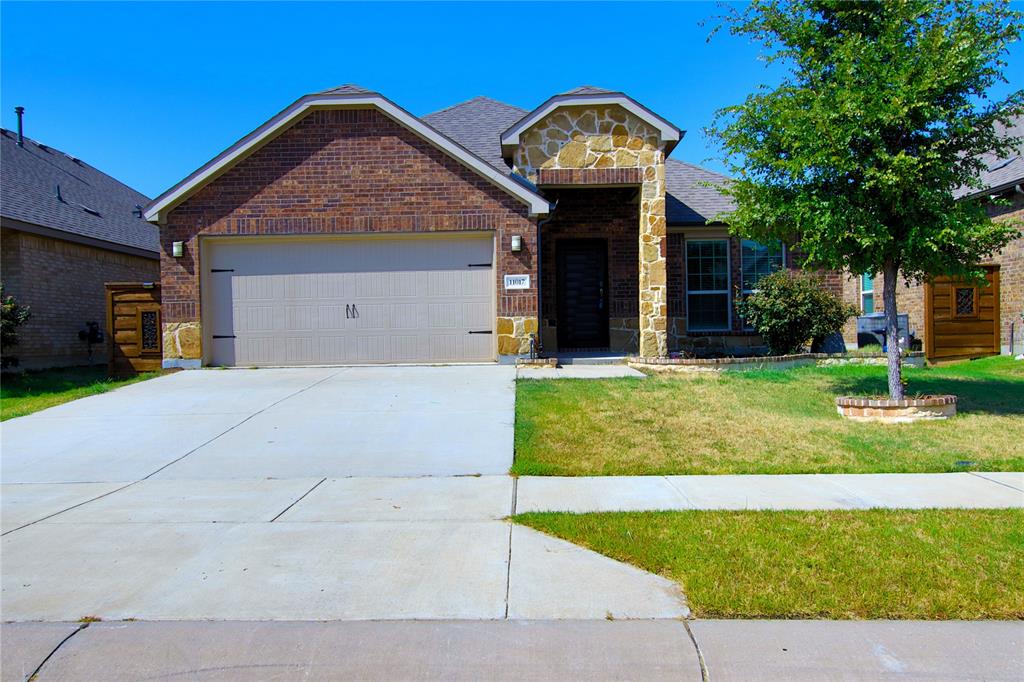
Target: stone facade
[607, 137]
[342, 171]
[514, 334]
[63, 283]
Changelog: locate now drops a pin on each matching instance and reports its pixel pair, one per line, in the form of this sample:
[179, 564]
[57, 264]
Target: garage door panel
[350, 301]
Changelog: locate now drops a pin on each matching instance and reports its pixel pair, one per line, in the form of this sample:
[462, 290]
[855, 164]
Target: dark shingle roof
[93, 204]
[687, 200]
[587, 90]
[477, 125]
[346, 89]
[1002, 171]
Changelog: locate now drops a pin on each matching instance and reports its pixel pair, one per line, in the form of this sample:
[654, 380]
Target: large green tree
[883, 113]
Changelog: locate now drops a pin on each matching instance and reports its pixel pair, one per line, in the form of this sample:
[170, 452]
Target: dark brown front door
[582, 293]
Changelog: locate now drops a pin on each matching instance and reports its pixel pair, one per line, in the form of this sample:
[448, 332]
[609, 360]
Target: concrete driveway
[291, 494]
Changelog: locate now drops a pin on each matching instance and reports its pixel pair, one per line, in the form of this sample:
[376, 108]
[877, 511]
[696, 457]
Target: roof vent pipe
[56, 193]
[20, 111]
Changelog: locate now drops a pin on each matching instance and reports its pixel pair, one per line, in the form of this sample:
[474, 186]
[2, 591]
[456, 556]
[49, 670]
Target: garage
[348, 300]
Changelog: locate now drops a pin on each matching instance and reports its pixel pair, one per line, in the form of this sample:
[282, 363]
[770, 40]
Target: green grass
[923, 564]
[772, 422]
[31, 391]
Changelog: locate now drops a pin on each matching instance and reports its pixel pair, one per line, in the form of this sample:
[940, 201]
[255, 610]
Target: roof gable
[477, 124]
[345, 96]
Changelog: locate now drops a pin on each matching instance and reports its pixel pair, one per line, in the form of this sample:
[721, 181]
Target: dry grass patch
[920, 564]
[765, 422]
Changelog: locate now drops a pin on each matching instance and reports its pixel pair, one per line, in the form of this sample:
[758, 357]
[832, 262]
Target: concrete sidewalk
[781, 491]
[516, 650]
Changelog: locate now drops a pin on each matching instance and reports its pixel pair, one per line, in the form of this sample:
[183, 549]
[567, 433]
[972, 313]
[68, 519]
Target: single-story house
[347, 230]
[954, 319]
[66, 229]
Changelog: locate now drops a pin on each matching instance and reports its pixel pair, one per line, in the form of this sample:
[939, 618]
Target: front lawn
[922, 564]
[769, 422]
[31, 391]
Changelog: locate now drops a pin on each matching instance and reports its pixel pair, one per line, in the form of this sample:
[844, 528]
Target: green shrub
[788, 309]
[13, 316]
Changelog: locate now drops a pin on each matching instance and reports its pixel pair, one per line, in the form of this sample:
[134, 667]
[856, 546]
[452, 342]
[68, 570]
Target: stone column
[653, 285]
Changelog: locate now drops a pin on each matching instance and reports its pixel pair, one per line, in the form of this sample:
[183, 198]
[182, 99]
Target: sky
[148, 92]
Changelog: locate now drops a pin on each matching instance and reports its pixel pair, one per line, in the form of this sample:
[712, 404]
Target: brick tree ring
[897, 411]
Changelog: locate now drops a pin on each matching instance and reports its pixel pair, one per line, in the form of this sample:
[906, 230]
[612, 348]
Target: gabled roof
[476, 125]
[93, 207]
[584, 96]
[343, 97]
[1003, 171]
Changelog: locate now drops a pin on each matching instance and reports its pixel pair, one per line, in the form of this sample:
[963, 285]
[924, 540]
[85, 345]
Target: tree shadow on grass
[988, 395]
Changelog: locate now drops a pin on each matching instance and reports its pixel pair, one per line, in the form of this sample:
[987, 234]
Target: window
[707, 285]
[867, 293]
[966, 301]
[756, 261]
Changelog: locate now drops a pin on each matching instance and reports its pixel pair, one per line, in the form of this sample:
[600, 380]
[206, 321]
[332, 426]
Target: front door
[582, 293]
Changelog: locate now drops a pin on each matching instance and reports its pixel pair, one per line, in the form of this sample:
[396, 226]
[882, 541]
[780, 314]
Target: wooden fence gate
[961, 319]
[134, 327]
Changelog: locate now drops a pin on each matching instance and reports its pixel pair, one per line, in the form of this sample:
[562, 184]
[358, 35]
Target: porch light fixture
[178, 249]
[517, 243]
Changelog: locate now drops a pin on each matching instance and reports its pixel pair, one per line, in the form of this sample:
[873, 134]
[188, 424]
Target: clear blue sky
[148, 92]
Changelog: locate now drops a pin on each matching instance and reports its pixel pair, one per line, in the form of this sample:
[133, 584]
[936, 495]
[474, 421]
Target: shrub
[13, 316]
[790, 308]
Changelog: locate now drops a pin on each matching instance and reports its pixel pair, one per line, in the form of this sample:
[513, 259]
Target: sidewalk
[516, 650]
[782, 491]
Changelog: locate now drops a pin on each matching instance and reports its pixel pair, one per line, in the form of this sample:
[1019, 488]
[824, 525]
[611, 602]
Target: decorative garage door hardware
[485, 331]
[351, 312]
[478, 265]
[222, 269]
[224, 336]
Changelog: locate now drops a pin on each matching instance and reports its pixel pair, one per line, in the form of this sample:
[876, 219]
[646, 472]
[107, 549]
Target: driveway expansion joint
[992, 480]
[35, 673]
[300, 498]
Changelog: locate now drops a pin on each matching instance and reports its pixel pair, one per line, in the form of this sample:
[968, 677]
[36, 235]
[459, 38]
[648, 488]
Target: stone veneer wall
[341, 171]
[600, 137]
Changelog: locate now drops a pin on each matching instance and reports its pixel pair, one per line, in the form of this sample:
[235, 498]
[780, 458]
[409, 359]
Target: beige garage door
[350, 300]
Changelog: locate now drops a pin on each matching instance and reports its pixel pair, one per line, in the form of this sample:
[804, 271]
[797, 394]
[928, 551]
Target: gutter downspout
[539, 345]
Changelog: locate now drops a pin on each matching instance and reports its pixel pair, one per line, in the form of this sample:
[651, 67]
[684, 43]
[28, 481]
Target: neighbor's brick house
[66, 229]
[1004, 183]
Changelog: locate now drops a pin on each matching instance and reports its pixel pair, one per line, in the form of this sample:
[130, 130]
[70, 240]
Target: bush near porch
[766, 422]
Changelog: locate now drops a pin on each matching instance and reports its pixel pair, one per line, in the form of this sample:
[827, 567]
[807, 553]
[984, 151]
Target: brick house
[1003, 181]
[66, 229]
[347, 230]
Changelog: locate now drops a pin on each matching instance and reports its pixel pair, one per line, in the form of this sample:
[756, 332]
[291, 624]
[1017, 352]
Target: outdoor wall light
[517, 243]
[178, 249]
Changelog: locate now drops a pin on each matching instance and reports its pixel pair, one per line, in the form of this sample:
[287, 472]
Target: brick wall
[597, 213]
[340, 172]
[63, 282]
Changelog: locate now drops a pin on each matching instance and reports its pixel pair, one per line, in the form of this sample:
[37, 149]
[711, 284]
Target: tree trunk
[890, 273]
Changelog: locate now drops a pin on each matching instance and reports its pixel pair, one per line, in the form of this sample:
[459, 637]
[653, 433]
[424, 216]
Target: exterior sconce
[517, 243]
[178, 249]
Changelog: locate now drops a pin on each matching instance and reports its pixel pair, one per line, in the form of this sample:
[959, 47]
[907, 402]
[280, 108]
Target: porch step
[591, 358]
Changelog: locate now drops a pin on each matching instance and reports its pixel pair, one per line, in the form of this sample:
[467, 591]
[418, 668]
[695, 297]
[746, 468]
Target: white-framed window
[756, 261]
[708, 307]
[867, 293]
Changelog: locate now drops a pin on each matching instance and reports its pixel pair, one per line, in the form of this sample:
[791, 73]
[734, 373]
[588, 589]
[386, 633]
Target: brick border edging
[927, 407]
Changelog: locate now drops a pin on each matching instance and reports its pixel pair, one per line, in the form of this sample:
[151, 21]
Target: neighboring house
[65, 230]
[1003, 181]
[347, 230]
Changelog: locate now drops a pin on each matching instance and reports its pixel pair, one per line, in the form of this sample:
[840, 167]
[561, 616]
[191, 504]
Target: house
[347, 230]
[989, 317]
[66, 229]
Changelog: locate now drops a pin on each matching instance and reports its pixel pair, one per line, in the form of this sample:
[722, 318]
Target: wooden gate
[134, 327]
[961, 319]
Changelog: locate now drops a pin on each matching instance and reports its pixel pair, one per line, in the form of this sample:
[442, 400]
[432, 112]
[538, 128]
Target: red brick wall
[63, 284]
[340, 172]
[596, 213]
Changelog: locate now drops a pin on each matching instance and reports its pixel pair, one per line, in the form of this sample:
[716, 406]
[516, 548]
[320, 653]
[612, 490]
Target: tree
[12, 316]
[883, 113]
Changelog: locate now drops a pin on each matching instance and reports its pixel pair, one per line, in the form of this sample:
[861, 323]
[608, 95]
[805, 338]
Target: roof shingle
[92, 203]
